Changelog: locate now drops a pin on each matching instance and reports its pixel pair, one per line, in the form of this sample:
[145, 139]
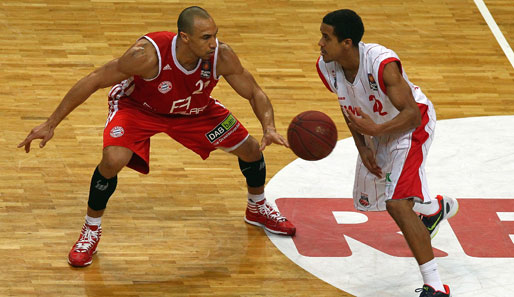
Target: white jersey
[401, 156]
[368, 90]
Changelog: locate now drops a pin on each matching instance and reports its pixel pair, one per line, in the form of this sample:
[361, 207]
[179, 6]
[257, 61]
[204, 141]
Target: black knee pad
[255, 172]
[101, 190]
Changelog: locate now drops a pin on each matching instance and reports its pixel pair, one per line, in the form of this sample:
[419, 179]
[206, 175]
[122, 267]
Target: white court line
[496, 31]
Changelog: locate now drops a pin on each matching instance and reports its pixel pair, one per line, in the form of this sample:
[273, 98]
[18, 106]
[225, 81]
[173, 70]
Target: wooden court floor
[179, 231]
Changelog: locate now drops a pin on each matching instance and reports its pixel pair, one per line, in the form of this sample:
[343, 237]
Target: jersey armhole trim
[158, 56]
[381, 71]
[322, 76]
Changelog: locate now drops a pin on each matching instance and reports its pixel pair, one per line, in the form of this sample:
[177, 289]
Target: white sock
[93, 221]
[431, 275]
[256, 198]
[427, 208]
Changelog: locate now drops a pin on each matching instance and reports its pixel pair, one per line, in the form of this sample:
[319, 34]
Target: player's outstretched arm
[245, 85]
[137, 60]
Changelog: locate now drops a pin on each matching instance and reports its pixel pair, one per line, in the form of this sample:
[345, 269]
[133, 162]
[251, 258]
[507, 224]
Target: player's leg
[217, 128]
[418, 239]
[372, 193]
[105, 178]
[412, 228]
[103, 184]
[251, 160]
[440, 208]
[406, 185]
[259, 212]
[126, 143]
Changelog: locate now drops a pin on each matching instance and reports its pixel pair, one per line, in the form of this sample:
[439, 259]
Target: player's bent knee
[114, 158]
[249, 150]
[397, 206]
[255, 172]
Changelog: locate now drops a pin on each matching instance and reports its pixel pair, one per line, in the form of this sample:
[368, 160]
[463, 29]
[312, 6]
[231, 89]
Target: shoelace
[87, 240]
[267, 210]
[425, 293]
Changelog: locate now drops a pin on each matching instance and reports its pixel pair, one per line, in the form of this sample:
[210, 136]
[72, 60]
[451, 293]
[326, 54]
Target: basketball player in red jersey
[392, 123]
[163, 84]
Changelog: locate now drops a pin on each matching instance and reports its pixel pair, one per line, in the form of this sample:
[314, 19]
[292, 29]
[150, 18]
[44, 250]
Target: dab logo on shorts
[216, 134]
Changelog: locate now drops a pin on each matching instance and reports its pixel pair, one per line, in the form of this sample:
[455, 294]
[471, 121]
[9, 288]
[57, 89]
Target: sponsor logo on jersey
[167, 67]
[165, 87]
[372, 83]
[206, 69]
[216, 134]
[117, 131]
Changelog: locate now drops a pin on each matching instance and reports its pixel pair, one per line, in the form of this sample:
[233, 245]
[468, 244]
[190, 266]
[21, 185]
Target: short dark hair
[186, 18]
[347, 24]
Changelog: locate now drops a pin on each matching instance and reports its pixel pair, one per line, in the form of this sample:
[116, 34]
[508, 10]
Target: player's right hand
[43, 131]
[368, 159]
[272, 136]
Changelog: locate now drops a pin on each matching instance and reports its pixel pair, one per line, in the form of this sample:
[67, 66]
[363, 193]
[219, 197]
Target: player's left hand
[364, 124]
[272, 136]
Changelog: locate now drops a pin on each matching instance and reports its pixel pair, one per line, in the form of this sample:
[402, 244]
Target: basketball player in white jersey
[392, 123]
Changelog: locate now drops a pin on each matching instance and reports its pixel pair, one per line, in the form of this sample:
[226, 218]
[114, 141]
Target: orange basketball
[312, 135]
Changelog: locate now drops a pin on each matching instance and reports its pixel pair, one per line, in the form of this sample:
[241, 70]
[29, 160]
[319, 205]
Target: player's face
[330, 48]
[203, 39]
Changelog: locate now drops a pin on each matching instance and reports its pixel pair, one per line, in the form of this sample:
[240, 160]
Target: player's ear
[347, 42]
[184, 36]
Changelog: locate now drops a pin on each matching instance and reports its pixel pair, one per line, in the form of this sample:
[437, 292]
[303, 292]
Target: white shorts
[402, 159]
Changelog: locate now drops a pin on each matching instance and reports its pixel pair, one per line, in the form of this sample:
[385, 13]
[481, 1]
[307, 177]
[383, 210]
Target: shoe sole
[266, 228]
[450, 215]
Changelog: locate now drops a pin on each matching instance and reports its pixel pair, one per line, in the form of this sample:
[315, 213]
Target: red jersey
[174, 90]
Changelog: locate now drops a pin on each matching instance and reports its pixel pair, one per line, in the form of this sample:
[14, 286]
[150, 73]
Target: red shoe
[263, 215]
[81, 253]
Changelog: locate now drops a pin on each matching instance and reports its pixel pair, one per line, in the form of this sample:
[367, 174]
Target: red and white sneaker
[81, 253]
[264, 215]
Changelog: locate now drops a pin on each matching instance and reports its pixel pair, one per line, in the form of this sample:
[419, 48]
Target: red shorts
[130, 126]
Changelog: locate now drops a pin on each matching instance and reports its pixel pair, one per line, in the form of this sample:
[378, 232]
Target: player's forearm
[263, 110]
[358, 138]
[79, 93]
[406, 120]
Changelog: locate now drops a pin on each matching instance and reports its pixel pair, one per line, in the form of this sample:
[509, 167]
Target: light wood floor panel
[179, 231]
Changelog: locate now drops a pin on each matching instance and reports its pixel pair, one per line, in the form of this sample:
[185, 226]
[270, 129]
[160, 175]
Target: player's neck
[350, 63]
[185, 56]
